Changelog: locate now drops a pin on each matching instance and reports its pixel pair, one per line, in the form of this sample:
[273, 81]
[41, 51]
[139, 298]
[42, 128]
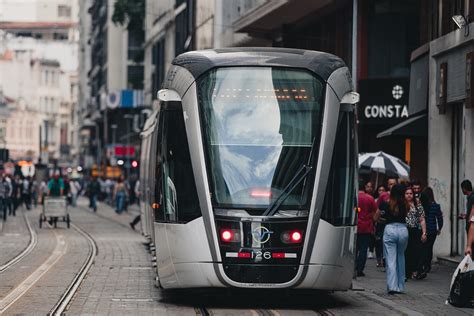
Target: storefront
[385, 124]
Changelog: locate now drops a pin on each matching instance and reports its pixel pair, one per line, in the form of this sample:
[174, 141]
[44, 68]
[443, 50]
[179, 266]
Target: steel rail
[31, 245]
[62, 304]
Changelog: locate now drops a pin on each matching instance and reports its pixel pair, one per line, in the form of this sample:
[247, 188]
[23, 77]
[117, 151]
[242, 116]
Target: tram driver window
[339, 202]
[179, 190]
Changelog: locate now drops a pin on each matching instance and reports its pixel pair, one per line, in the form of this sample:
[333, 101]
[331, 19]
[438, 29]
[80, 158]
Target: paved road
[120, 281]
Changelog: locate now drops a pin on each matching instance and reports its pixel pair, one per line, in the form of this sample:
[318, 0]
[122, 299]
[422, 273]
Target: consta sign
[386, 111]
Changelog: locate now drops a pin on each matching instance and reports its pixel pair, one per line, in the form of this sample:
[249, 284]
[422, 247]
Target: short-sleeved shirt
[413, 216]
[384, 197]
[390, 217]
[367, 208]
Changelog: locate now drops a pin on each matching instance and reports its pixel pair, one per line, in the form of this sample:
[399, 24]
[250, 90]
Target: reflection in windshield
[259, 124]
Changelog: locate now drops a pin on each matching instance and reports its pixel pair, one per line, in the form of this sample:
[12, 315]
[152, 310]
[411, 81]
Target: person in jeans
[434, 224]
[365, 227]
[395, 237]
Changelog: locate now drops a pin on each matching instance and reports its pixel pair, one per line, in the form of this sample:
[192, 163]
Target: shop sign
[383, 101]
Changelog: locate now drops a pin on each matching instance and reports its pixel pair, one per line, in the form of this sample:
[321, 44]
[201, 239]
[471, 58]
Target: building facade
[116, 107]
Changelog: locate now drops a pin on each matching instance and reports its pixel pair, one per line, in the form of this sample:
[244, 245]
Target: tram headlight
[292, 237]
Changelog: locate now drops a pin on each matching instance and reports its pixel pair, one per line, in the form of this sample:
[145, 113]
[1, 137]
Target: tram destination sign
[383, 101]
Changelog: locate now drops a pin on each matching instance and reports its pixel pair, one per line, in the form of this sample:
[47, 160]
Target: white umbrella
[384, 163]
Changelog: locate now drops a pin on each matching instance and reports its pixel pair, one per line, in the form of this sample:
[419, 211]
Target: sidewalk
[426, 296]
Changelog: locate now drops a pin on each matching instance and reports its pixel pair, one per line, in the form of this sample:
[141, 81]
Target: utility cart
[54, 209]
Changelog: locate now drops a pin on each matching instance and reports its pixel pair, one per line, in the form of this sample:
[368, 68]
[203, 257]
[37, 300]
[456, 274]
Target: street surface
[121, 280]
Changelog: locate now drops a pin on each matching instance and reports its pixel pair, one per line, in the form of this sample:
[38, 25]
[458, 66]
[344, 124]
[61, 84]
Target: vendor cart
[54, 209]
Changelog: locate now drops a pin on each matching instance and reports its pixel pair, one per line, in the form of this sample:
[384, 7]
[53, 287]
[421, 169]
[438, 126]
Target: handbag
[461, 293]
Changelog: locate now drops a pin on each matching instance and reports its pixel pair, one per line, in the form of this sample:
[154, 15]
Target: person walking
[93, 190]
[138, 194]
[120, 194]
[365, 227]
[3, 195]
[379, 228]
[26, 192]
[8, 195]
[466, 187]
[395, 237]
[434, 224]
[416, 225]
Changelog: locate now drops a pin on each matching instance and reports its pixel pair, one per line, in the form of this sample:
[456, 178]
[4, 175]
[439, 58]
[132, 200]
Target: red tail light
[229, 235]
[296, 236]
[292, 237]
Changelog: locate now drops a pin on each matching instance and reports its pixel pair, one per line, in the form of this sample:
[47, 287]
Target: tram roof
[199, 62]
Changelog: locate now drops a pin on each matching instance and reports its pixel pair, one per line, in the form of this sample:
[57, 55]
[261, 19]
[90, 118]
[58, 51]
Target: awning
[416, 126]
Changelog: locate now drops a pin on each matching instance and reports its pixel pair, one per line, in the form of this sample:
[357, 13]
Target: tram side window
[179, 190]
[339, 202]
[158, 195]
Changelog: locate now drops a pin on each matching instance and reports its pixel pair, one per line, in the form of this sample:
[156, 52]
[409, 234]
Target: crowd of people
[17, 190]
[398, 221]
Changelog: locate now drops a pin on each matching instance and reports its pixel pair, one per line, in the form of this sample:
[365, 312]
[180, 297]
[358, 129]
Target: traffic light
[134, 164]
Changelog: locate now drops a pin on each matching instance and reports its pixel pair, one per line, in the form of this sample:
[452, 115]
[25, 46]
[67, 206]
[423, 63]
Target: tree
[130, 13]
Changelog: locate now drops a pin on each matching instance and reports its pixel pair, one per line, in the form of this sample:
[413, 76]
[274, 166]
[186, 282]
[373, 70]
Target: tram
[249, 171]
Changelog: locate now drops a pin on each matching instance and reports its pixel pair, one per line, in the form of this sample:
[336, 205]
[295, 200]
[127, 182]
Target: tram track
[68, 295]
[31, 245]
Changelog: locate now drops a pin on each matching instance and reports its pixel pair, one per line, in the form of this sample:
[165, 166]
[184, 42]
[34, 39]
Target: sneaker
[370, 255]
[360, 274]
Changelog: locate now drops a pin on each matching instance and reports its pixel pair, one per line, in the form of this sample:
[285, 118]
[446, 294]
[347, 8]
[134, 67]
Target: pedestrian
[365, 227]
[379, 228]
[138, 194]
[466, 187]
[74, 189]
[26, 192]
[34, 191]
[434, 224]
[470, 236]
[395, 237]
[16, 194]
[55, 186]
[43, 190]
[120, 195]
[416, 225]
[109, 188]
[93, 190]
[385, 196]
[3, 194]
[8, 195]
[369, 189]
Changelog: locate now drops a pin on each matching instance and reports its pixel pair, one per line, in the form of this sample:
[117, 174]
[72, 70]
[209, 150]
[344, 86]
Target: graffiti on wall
[440, 188]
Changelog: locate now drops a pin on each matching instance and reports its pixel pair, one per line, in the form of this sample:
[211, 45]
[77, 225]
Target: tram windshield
[260, 126]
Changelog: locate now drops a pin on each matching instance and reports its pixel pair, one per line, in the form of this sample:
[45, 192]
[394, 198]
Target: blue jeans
[395, 240]
[93, 202]
[120, 200]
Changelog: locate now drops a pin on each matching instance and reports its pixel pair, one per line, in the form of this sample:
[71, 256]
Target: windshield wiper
[300, 175]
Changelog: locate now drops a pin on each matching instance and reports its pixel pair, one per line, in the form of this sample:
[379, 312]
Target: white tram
[249, 171]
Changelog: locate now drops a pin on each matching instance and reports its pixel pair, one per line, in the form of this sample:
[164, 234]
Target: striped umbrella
[384, 163]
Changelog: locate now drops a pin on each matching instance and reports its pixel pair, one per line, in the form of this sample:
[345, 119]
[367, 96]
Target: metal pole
[354, 42]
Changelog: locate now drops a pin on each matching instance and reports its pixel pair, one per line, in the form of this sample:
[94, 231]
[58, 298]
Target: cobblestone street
[121, 280]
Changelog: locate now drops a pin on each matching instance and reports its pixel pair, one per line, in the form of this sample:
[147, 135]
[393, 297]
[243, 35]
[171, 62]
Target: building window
[64, 11]
[135, 77]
